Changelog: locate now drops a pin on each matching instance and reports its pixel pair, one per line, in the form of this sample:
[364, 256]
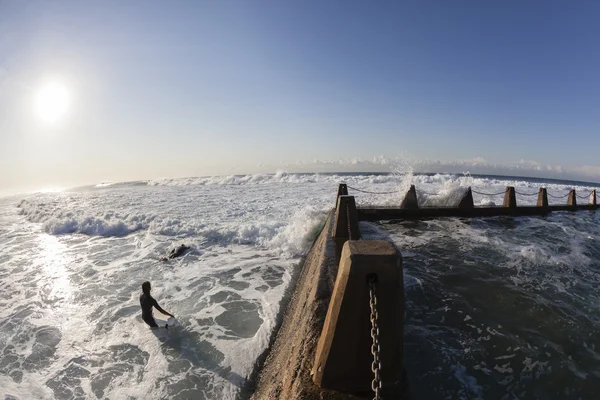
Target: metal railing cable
[367, 191]
[476, 192]
[584, 196]
[557, 197]
[526, 194]
[376, 384]
[396, 191]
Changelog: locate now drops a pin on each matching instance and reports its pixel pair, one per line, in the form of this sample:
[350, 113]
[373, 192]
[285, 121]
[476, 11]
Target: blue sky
[167, 89]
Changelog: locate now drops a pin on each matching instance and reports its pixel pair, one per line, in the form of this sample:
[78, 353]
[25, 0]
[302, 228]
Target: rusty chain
[376, 384]
[557, 197]
[527, 194]
[472, 190]
[348, 221]
[488, 194]
[584, 196]
[367, 191]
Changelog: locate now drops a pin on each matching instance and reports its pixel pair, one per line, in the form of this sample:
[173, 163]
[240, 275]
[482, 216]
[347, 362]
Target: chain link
[557, 197]
[348, 221]
[488, 194]
[367, 191]
[584, 196]
[474, 191]
[376, 384]
[527, 194]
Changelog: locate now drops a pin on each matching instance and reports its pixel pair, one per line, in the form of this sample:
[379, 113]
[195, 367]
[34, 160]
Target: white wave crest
[56, 221]
[290, 236]
[297, 237]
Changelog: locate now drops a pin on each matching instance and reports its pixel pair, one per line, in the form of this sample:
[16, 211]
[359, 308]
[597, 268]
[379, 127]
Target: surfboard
[164, 321]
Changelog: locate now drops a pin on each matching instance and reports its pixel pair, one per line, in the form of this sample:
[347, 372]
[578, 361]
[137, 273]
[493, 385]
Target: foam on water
[72, 263]
[505, 307]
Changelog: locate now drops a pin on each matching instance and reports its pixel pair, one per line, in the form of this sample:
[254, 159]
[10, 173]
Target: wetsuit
[147, 302]
[178, 251]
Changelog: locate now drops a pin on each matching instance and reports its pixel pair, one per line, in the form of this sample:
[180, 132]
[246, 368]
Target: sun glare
[52, 102]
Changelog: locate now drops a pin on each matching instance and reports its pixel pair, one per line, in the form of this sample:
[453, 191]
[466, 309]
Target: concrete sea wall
[286, 373]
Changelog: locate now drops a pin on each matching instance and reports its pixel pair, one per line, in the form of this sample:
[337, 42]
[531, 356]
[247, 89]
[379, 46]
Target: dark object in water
[177, 252]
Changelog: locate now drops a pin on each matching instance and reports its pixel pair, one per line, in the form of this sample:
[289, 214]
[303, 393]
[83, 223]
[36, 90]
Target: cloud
[473, 161]
[530, 163]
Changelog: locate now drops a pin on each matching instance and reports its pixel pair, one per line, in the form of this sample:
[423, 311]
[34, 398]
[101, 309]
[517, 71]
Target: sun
[52, 102]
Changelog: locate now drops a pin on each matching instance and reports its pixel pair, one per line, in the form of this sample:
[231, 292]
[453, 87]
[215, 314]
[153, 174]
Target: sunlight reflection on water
[53, 261]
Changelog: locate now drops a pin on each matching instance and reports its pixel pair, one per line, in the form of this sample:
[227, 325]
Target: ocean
[498, 308]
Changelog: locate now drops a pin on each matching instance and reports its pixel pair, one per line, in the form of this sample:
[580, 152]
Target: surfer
[179, 251]
[147, 302]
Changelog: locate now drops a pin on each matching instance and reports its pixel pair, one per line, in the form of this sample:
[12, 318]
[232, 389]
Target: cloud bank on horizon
[379, 164]
[475, 165]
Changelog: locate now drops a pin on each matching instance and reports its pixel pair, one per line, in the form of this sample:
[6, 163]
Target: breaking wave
[292, 236]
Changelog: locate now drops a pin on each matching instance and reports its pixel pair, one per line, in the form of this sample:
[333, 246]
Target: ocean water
[495, 308]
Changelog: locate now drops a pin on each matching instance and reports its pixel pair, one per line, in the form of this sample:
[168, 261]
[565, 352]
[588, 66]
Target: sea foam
[72, 264]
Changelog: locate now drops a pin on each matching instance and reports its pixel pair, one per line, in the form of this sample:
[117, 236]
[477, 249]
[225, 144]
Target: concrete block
[592, 197]
[542, 198]
[467, 200]
[572, 199]
[510, 198]
[410, 200]
[343, 359]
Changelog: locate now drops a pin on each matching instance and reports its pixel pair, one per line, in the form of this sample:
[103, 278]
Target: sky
[190, 88]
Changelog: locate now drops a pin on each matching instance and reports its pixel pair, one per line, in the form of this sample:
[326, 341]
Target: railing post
[343, 357]
[593, 197]
[467, 200]
[345, 224]
[345, 213]
[342, 190]
[510, 198]
[572, 199]
[410, 200]
[542, 198]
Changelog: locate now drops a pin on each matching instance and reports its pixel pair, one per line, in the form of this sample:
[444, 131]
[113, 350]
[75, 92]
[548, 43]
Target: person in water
[147, 302]
[176, 252]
